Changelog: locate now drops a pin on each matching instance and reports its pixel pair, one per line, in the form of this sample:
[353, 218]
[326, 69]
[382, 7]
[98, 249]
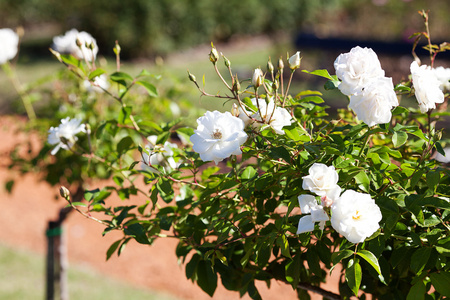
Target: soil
[25, 213]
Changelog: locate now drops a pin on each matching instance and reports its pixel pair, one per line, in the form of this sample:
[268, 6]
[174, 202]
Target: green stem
[19, 89]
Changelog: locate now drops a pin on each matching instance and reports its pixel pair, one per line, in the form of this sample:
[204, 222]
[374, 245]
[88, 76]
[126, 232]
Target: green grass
[22, 276]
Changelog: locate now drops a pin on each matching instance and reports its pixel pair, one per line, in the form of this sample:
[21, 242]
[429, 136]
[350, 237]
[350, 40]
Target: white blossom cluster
[8, 45]
[427, 87]
[372, 95]
[80, 44]
[159, 156]
[64, 136]
[443, 75]
[267, 114]
[98, 85]
[354, 215]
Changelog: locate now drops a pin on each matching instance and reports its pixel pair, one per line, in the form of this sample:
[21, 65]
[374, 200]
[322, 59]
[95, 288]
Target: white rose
[294, 61]
[443, 75]
[67, 44]
[9, 45]
[218, 136]
[159, 156]
[426, 86]
[308, 205]
[99, 85]
[269, 114]
[356, 68]
[322, 181]
[355, 216]
[374, 103]
[63, 136]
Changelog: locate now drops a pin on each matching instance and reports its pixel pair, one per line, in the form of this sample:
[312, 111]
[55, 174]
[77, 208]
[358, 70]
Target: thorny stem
[427, 27]
[220, 76]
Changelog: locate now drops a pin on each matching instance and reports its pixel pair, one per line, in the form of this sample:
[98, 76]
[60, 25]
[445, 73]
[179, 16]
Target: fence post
[57, 258]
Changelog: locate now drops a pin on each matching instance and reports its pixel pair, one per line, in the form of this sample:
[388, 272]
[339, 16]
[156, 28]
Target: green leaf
[419, 259]
[313, 261]
[399, 138]
[322, 73]
[417, 291]
[433, 179]
[399, 110]
[124, 115]
[248, 173]
[283, 243]
[371, 259]
[439, 148]
[441, 282]
[97, 72]
[331, 84]
[124, 145]
[280, 152]
[137, 231]
[293, 269]
[363, 180]
[314, 99]
[151, 89]
[353, 275]
[120, 77]
[206, 278]
[112, 249]
[191, 267]
[9, 185]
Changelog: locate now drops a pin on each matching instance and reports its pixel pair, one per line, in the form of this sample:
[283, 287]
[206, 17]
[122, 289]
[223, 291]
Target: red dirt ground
[24, 215]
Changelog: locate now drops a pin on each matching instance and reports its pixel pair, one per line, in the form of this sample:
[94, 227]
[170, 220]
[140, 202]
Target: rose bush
[381, 201]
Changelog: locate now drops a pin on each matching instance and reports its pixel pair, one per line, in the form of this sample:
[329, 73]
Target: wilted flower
[355, 216]
[258, 78]
[64, 136]
[218, 135]
[322, 181]
[308, 205]
[294, 61]
[99, 85]
[374, 103]
[80, 44]
[9, 45]
[443, 75]
[426, 87]
[356, 68]
[159, 156]
[274, 116]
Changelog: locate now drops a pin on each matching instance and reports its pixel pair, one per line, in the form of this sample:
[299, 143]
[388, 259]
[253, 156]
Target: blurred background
[177, 34]
[167, 38]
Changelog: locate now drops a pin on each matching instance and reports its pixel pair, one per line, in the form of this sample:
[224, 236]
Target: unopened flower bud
[258, 78]
[235, 110]
[88, 128]
[64, 192]
[280, 64]
[226, 61]
[117, 48]
[213, 55]
[56, 54]
[270, 66]
[20, 31]
[294, 61]
[78, 42]
[236, 84]
[275, 84]
[191, 77]
[90, 46]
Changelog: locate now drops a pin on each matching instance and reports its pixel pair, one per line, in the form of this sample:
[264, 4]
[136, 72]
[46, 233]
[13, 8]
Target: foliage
[237, 219]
